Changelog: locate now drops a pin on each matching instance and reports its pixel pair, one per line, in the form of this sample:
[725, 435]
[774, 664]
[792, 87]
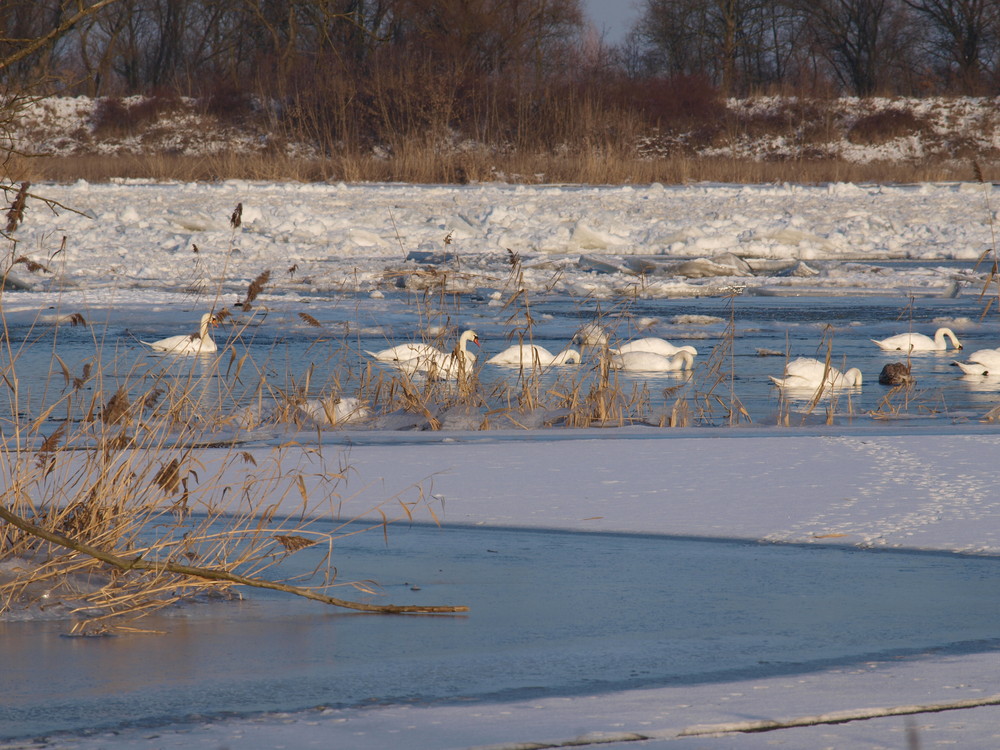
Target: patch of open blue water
[293, 357]
[552, 613]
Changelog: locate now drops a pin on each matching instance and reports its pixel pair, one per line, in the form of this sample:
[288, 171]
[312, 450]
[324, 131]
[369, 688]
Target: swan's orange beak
[476, 341]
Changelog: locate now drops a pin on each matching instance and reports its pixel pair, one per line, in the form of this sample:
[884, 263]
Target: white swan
[335, 411]
[191, 343]
[591, 334]
[524, 355]
[438, 364]
[652, 362]
[982, 362]
[413, 350]
[805, 372]
[655, 345]
[919, 342]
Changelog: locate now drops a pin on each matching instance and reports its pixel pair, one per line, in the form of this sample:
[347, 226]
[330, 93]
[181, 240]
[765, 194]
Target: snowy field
[144, 260]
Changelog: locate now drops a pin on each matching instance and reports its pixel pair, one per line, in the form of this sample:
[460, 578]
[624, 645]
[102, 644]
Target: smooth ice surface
[552, 614]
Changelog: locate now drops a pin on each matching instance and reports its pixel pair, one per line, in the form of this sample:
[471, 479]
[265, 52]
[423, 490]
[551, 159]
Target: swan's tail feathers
[780, 382]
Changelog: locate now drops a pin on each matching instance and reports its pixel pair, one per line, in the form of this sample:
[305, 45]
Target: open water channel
[552, 613]
[294, 356]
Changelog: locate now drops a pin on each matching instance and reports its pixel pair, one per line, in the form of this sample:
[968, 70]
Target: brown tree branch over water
[212, 574]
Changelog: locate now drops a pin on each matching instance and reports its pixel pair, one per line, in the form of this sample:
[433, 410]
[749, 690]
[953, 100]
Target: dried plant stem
[137, 563]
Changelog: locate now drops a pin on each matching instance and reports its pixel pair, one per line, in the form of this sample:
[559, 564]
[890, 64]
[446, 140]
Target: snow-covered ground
[764, 127]
[159, 250]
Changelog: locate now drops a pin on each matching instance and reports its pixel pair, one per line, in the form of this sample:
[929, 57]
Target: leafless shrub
[115, 116]
[884, 126]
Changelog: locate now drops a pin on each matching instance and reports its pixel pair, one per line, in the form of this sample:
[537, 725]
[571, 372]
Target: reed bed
[127, 489]
[428, 166]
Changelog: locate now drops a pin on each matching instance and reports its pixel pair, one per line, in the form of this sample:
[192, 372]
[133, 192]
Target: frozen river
[686, 594]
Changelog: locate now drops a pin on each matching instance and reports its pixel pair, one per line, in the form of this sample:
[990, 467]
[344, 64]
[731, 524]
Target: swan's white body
[530, 355]
[592, 334]
[405, 352]
[438, 364]
[655, 345]
[652, 362]
[805, 372]
[982, 362]
[335, 411]
[191, 343]
[919, 342]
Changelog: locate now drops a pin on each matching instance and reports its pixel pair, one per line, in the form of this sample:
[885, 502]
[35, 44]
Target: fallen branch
[137, 563]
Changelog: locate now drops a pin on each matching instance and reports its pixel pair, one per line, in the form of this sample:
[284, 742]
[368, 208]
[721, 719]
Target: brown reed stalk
[15, 215]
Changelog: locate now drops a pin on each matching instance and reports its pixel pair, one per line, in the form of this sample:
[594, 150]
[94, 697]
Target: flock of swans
[642, 355]
[656, 355]
[649, 354]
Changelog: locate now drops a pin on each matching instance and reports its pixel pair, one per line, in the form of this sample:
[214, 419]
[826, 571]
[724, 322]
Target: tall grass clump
[125, 486]
[715, 383]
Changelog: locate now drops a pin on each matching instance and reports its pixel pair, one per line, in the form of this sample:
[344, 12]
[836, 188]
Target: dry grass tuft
[15, 215]
[255, 288]
[310, 320]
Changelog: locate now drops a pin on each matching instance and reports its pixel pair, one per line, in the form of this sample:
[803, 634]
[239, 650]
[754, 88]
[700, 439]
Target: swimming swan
[404, 352]
[918, 342]
[655, 345]
[591, 334]
[191, 343]
[533, 354]
[652, 362]
[805, 372]
[438, 364]
[982, 362]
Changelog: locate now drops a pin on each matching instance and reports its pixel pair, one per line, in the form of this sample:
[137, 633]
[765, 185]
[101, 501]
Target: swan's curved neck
[464, 339]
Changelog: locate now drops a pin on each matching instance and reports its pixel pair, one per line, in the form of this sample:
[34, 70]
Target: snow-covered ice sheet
[320, 239]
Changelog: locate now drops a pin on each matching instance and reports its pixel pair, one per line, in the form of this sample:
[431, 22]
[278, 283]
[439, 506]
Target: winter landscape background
[751, 275]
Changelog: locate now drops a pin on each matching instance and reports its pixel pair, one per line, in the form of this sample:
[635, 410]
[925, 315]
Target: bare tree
[28, 27]
[964, 36]
[737, 43]
[861, 39]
